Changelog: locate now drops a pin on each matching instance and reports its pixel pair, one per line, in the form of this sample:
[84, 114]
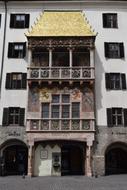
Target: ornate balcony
[63, 73]
[60, 125]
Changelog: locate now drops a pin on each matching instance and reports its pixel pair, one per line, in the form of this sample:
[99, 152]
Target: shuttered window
[115, 81]
[13, 116]
[17, 50]
[116, 117]
[110, 20]
[114, 50]
[16, 81]
[19, 20]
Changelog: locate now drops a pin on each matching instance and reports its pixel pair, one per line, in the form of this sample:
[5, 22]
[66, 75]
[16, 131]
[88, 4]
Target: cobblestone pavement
[113, 182]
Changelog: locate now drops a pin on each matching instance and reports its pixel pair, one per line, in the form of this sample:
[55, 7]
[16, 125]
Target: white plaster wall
[93, 12]
[43, 167]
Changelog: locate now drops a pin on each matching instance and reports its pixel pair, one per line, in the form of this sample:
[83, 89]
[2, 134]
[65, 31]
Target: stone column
[30, 160]
[29, 62]
[92, 57]
[29, 57]
[70, 57]
[92, 62]
[50, 57]
[88, 159]
[50, 61]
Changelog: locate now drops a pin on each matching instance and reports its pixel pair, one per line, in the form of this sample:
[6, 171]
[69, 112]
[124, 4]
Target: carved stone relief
[76, 95]
[45, 96]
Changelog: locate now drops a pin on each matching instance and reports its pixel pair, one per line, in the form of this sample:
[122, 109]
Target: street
[112, 182]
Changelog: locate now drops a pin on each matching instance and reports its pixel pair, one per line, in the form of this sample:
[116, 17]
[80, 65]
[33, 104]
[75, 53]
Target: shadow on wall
[99, 73]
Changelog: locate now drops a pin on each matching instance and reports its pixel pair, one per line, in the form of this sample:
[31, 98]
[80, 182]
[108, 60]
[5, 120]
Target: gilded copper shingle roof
[61, 23]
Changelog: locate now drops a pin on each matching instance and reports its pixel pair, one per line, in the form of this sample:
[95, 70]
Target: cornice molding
[61, 42]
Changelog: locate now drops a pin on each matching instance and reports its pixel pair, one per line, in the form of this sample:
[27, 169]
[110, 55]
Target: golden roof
[61, 23]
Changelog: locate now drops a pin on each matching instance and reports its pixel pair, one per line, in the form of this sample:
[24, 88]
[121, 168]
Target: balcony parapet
[48, 125]
[61, 73]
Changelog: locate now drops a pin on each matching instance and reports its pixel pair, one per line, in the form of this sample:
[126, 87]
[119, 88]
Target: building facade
[63, 90]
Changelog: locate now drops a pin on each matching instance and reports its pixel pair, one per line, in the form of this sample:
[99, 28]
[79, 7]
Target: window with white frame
[61, 107]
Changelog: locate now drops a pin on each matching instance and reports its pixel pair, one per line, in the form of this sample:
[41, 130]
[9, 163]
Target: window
[13, 116]
[17, 50]
[60, 57]
[114, 50]
[45, 110]
[55, 98]
[55, 111]
[116, 117]
[19, 21]
[115, 81]
[75, 110]
[65, 111]
[65, 98]
[110, 20]
[61, 107]
[16, 80]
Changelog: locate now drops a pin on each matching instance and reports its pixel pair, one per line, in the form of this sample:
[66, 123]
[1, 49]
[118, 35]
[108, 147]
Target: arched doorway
[15, 158]
[59, 158]
[72, 160]
[116, 159]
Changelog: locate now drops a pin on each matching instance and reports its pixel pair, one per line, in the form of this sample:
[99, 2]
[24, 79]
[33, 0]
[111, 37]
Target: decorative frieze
[60, 42]
[57, 73]
[61, 125]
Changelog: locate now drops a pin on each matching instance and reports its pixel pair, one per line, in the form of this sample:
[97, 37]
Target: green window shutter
[125, 117]
[123, 80]
[106, 47]
[12, 20]
[104, 17]
[121, 46]
[109, 117]
[5, 117]
[21, 116]
[24, 80]
[27, 20]
[24, 49]
[8, 81]
[107, 81]
[10, 50]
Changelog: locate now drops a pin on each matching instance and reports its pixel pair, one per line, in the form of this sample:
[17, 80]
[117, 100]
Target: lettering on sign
[13, 133]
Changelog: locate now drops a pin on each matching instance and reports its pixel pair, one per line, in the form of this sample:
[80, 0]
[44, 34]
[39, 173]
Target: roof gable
[61, 24]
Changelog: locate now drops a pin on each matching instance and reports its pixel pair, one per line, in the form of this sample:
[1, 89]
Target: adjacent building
[63, 105]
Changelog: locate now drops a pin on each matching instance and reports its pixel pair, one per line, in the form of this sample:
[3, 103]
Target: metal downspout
[3, 50]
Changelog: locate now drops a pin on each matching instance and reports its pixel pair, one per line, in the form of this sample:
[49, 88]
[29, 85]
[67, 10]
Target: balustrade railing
[60, 125]
[61, 73]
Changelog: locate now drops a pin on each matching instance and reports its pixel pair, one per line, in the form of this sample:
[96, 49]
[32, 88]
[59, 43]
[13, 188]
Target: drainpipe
[3, 49]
